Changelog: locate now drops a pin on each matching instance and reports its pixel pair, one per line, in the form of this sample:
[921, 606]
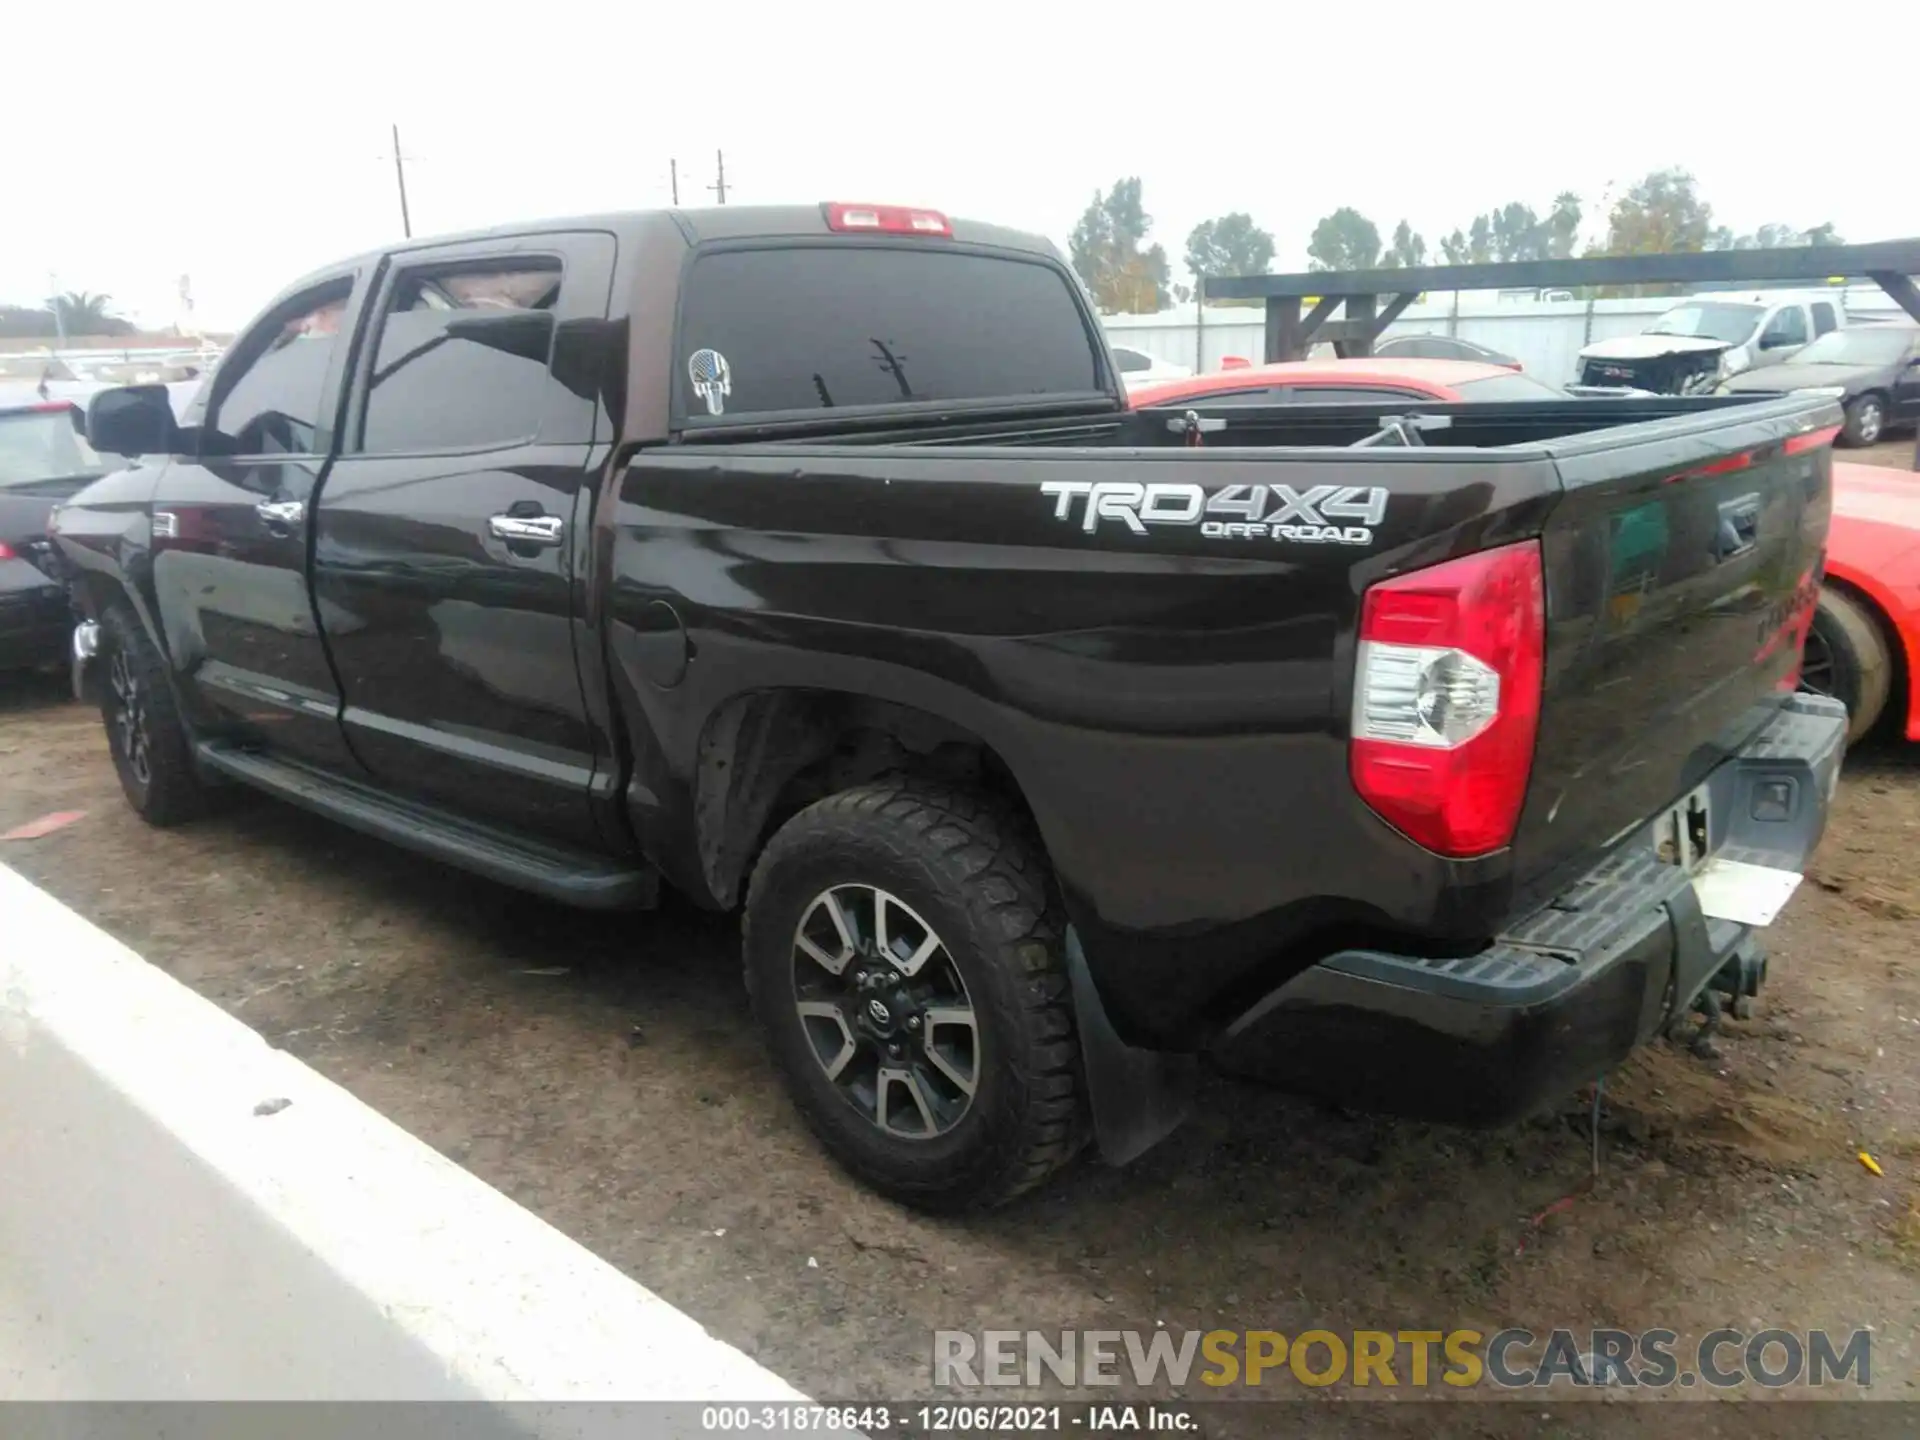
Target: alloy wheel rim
[885, 1012]
[130, 718]
[1869, 422]
[1816, 664]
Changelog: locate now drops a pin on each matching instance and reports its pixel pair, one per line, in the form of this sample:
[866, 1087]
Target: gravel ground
[603, 1071]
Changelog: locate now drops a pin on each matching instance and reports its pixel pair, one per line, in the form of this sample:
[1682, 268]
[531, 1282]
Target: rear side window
[1823, 319]
[850, 325]
[461, 361]
[1349, 395]
[1510, 386]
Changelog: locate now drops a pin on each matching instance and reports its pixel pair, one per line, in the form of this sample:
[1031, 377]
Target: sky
[242, 145]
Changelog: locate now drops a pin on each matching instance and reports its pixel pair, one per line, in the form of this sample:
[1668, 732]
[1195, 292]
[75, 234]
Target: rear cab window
[796, 330]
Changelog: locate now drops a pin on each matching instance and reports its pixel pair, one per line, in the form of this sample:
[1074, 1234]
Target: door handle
[281, 512]
[527, 529]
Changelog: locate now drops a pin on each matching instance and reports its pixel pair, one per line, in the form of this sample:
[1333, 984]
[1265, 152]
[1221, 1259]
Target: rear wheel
[152, 751]
[1847, 657]
[905, 964]
[1866, 420]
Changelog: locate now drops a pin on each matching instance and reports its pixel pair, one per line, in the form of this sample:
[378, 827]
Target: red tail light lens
[1446, 698]
[7, 552]
[887, 220]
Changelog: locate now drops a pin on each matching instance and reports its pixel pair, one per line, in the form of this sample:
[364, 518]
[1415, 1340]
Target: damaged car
[1702, 341]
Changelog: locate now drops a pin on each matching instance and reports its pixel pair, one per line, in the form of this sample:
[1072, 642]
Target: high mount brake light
[886, 220]
[1446, 698]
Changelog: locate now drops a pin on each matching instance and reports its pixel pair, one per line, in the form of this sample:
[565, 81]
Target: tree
[1516, 232]
[1229, 245]
[1105, 249]
[85, 314]
[1563, 225]
[1344, 240]
[24, 322]
[1773, 237]
[1661, 213]
[1407, 251]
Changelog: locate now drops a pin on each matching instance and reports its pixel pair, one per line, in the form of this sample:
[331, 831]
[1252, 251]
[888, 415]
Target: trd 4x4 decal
[1321, 515]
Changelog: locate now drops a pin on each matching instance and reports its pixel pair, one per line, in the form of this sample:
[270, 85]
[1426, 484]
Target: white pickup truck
[1705, 338]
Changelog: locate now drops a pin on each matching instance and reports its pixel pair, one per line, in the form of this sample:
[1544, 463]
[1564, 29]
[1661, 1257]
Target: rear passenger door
[451, 530]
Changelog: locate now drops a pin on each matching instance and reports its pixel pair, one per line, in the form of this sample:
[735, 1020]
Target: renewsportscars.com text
[1505, 1359]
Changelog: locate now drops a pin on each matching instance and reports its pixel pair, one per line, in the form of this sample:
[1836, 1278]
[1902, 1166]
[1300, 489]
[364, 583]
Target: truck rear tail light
[1446, 698]
[7, 552]
[887, 220]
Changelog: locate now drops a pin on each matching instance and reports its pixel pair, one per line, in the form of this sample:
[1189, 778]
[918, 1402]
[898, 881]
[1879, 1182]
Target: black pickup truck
[810, 560]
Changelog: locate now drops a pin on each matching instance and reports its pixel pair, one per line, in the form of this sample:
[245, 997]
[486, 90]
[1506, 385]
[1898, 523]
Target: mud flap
[1138, 1097]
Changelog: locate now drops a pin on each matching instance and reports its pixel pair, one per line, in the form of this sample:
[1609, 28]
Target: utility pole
[673, 170]
[400, 174]
[719, 187]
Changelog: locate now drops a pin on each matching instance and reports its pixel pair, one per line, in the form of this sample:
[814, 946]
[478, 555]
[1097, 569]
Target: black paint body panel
[1172, 705]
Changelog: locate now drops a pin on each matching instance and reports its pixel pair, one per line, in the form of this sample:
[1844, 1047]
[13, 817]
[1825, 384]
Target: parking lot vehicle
[1709, 337]
[43, 460]
[1441, 347]
[1872, 370]
[1374, 379]
[1864, 647]
[1137, 367]
[811, 560]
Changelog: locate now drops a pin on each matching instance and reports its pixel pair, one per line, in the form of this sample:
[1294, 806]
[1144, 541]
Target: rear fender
[1897, 607]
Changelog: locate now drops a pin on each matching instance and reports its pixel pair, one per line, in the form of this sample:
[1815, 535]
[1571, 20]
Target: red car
[1864, 647]
[1333, 381]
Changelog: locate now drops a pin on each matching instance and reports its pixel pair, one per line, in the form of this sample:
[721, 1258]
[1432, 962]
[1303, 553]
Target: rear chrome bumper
[1569, 992]
[86, 645]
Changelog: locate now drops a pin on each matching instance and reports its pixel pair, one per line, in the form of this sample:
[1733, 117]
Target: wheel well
[765, 757]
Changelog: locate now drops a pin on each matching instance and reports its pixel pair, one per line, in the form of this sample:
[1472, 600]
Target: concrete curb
[189, 1214]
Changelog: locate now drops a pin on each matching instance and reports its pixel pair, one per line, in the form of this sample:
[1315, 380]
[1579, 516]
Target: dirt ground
[603, 1072]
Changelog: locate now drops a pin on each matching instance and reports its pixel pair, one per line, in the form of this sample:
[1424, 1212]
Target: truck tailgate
[1682, 567]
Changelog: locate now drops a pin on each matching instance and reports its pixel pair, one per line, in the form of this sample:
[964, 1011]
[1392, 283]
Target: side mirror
[132, 420]
[1774, 340]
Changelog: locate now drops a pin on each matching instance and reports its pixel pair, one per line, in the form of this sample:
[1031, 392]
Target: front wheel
[1866, 421]
[904, 962]
[152, 752]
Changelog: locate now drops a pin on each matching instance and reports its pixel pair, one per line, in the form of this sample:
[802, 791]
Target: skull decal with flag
[712, 379]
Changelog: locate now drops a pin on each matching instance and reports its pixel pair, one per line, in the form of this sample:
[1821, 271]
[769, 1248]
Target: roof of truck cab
[696, 225]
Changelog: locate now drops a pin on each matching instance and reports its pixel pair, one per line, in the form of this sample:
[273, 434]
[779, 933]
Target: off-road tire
[1866, 420]
[969, 867]
[170, 791]
[1861, 675]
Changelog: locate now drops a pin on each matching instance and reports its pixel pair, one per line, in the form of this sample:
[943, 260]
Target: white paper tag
[1745, 894]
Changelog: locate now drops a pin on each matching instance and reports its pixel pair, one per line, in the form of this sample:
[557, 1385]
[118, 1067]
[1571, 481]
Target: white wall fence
[1544, 336]
[187, 1213]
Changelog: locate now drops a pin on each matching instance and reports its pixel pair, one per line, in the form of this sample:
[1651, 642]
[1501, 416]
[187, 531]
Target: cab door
[453, 525]
[231, 526]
